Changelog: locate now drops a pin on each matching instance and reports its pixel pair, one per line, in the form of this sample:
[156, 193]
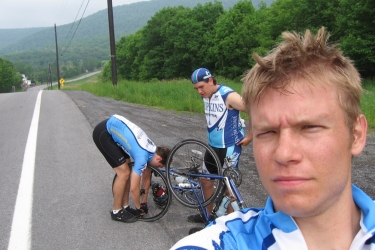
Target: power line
[61, 11]
[76, 28]
[73, 24]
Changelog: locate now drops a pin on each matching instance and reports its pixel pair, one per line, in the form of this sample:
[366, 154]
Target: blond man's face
[303, 148]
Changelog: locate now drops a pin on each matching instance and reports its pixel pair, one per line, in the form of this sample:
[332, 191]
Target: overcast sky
[46, 13]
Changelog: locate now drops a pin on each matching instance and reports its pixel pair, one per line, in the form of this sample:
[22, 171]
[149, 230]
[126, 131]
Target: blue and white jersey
[224, 127]
[262, 228]
[133, 140]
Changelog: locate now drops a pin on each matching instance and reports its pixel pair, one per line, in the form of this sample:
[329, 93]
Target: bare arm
[135, 189]
[234, 101]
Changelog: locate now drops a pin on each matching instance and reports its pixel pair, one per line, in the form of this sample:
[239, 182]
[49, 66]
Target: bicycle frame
[234, 195]
[191, 187]
[196, 189]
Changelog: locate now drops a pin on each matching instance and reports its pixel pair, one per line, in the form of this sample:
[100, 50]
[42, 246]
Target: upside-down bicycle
[182, 177]
[186, 169]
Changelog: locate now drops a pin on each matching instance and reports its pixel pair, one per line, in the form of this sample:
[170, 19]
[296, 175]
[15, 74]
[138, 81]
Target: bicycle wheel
[191, 157]
[154, 192]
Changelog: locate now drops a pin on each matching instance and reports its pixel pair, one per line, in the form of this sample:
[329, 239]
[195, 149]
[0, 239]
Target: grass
[176, 95]
[179, 95]
[368, 102]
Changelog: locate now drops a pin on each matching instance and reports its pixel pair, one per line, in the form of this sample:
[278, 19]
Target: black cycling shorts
[233, 152]
[210, 162]
[113, 153]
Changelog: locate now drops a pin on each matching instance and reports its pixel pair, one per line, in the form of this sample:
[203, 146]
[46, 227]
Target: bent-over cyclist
[118, 139]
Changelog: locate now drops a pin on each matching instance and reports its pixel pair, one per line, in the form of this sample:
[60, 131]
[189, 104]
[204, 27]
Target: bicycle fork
[234, 194]
[234, 197]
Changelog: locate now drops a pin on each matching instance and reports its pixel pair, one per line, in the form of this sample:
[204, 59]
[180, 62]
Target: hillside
[11, 36]
[91, 39]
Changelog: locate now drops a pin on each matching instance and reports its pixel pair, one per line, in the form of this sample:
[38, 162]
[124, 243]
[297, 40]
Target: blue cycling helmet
[201, 74]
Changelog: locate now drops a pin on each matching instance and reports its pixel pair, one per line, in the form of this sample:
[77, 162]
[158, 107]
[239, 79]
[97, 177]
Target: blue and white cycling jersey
[133, 140]
[263, 228]
[223, 125]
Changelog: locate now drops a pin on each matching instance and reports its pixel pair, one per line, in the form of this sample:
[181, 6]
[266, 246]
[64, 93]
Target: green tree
[127, 56]
[182, 34]
[171, 45]
[235, 40]
[151, 51]
[356, 27]
[188, 37]
[91, 64]
[263, 36]
[41, 74]
[318, 13]
[285, 15]
[8, 76]
[106, 74]
[207, 15]
[299, 15]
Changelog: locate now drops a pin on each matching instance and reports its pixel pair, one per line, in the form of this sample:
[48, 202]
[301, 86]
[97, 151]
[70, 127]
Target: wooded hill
[13, 36]
[178, 40]
[91, 40]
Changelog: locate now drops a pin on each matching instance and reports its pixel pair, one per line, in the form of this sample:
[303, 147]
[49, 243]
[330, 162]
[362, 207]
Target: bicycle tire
[156, 209]
[185, 158]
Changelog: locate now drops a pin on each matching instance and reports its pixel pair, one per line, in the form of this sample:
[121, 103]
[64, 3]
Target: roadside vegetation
[368, 101]
[176, 94]
[179, 95]
[173, 41]
[9, 76]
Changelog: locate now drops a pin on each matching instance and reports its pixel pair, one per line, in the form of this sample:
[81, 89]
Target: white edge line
[20, 236]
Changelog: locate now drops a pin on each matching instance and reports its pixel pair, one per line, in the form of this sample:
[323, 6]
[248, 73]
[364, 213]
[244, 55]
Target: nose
[287, 149]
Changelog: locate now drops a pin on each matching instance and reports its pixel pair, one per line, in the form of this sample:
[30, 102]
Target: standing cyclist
[222, 106]
[118, 139]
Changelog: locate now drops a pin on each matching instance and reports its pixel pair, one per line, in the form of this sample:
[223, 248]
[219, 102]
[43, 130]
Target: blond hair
[306, 57]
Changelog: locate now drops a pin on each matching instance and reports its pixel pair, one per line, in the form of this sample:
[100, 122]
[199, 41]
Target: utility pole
[112, 42]
[47, 80]
[49, 75]
[57, 60]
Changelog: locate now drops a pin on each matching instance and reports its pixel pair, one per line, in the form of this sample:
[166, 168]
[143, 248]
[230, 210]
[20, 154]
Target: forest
[176, 40]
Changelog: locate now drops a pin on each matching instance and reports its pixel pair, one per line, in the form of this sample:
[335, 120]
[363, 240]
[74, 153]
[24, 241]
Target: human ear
[157, 158]
[359, 134]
